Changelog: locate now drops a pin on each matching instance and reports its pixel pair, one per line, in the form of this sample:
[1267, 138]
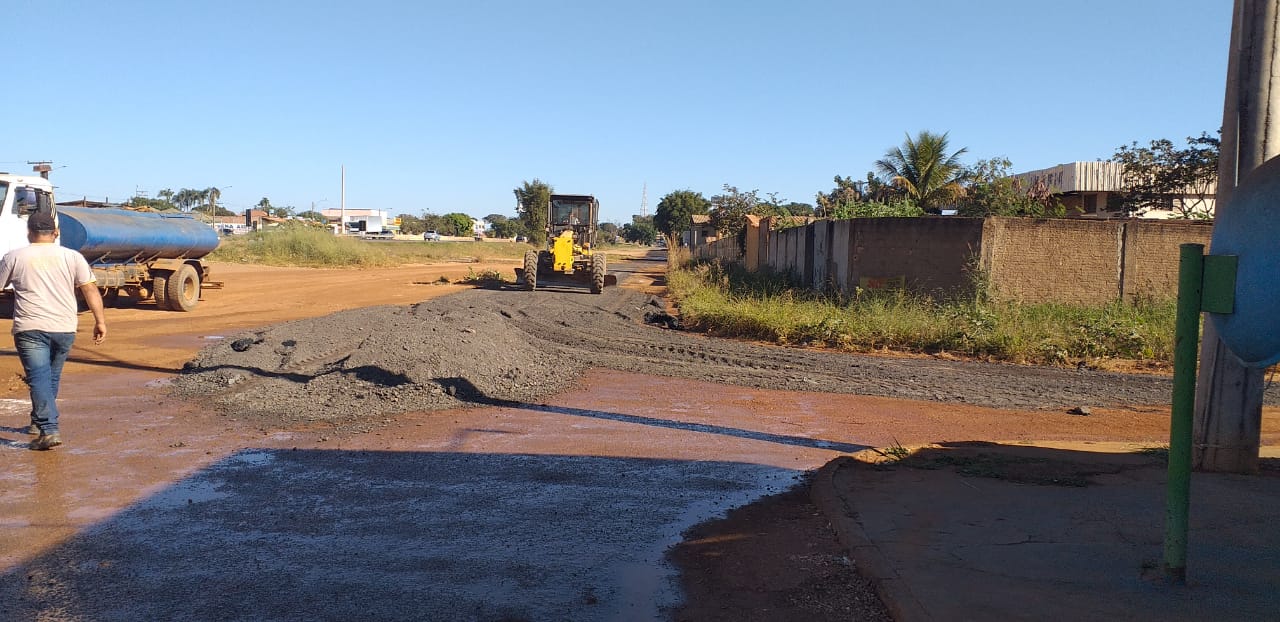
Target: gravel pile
[375, 361]
[503, 346]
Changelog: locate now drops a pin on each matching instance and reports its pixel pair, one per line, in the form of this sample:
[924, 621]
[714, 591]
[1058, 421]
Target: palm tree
[922, 169]
[186, 198]
[211, 195]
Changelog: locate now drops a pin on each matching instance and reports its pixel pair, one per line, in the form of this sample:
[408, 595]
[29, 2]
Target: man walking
[45, 277]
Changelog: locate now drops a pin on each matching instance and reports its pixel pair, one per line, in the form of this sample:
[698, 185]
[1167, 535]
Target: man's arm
[94, 300]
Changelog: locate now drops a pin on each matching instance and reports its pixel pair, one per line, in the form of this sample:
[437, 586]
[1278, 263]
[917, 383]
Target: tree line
[924, 176]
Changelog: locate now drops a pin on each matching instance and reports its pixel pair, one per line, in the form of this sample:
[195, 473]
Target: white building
[1092, 189]
[360, 220]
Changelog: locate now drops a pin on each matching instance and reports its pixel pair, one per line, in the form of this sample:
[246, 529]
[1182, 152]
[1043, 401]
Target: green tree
[211, 196]
[894, 208]
[410, 224]
[640, 230]
[186, 199]
[846, 191]
[924, 170]
[992, 191]
[533, 200]
[729, 210]
[509, 228]
[676, 210]
[1163, 176]
[456, 224]
[280, 211]
[608, 233]
[159, 205]
[313, 216]
[433, 222]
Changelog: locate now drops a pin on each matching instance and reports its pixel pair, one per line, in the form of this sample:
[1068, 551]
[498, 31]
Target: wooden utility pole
[1228, 414]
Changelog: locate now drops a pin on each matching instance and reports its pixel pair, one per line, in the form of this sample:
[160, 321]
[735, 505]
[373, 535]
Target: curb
[868, 558]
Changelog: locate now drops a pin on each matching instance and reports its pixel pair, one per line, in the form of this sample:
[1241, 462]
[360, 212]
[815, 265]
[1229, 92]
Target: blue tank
[107, 235]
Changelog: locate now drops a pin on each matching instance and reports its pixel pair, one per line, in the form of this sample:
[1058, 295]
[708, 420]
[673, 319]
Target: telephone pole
[41, 166]
[1227, 425]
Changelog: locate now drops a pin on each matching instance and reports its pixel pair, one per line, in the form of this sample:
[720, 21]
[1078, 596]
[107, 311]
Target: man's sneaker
[32, 429]
[46, 441]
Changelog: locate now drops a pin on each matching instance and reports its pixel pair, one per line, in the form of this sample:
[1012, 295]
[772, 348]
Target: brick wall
[1040, 260]
[930, 255]
[1031, 260]
[1151, 255]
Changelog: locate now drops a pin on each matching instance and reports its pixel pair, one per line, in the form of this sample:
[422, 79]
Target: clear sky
[446, 106]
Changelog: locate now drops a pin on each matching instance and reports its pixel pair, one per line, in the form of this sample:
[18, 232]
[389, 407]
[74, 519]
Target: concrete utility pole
[1228, 413]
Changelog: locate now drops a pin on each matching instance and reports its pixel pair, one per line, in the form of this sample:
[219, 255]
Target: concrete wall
[1030, 260]
[927, 255]
[1061, 260]
[1151, 255]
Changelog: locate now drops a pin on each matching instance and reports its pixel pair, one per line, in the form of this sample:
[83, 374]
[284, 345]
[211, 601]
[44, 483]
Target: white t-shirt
[44, 278]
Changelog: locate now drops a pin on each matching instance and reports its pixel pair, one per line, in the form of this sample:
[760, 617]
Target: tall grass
[313, 247]
[733, 302]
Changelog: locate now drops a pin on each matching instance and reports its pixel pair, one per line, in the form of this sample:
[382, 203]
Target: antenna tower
[644, 200]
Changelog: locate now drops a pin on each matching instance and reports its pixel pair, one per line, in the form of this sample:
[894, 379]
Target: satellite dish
[1249, 227]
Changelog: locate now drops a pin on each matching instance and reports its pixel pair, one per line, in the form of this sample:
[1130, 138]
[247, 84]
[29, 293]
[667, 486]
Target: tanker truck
[147, 255]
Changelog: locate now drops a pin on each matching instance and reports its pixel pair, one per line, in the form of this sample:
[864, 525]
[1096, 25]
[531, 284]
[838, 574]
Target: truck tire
[160, 289]
[531, 270]
[183, 289]
[598, 271]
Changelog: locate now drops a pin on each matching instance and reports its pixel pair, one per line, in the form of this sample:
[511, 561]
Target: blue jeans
[42, 355]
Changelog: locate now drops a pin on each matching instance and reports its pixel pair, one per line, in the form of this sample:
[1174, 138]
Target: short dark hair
[41, 222]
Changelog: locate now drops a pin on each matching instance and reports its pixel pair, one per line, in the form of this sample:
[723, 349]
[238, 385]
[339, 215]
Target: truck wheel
[160, 291]
[183, 289]
[597, 274]
[531, 270]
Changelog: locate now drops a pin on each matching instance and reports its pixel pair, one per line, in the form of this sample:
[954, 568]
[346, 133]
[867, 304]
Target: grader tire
[531, 270]
[183, 289]
[598, 272]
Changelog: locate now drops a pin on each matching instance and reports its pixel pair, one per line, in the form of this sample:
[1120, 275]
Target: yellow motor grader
[570, 251]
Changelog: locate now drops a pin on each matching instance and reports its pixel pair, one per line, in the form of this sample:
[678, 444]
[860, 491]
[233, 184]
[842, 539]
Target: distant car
[431, 236]
[522, 238]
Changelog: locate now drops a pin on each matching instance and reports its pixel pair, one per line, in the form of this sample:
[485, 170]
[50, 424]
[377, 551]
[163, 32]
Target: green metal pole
[1186, 342]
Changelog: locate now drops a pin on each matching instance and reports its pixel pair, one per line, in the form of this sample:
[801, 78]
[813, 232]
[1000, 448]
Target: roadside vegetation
[318, 248]
[731, 302]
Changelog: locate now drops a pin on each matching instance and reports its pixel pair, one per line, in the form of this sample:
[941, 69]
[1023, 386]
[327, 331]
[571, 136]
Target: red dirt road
[126, 439]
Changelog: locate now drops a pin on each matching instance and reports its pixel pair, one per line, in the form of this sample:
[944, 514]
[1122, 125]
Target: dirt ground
[287, 347]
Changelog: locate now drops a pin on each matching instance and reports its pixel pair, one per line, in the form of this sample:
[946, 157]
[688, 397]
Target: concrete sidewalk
[1015, 532]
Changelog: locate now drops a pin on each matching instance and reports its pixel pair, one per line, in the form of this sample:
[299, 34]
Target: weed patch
[731, 302]
[318, 248]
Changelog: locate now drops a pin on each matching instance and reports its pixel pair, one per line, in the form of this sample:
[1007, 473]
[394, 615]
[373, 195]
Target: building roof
[1093, 176]
[701, 219]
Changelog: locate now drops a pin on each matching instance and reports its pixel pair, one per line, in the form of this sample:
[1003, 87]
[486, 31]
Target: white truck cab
[20, 195]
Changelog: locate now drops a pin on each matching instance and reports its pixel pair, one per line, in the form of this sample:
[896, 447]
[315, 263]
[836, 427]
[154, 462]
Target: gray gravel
[500, 346]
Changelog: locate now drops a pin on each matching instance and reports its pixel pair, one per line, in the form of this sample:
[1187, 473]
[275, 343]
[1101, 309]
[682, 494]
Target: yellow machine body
[562, 252]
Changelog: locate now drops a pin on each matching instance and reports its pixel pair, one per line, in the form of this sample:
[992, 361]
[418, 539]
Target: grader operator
[570, 251]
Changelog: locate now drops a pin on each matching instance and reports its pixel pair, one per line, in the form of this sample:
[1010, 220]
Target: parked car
[431, 236]
[522, 238]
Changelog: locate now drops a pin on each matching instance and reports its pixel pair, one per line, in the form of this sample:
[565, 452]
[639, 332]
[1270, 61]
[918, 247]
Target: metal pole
[1186, 338]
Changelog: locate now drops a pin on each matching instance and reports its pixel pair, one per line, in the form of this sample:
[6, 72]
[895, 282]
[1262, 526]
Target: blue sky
[447, 106]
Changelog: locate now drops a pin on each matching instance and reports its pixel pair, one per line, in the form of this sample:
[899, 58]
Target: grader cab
[571, 245]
